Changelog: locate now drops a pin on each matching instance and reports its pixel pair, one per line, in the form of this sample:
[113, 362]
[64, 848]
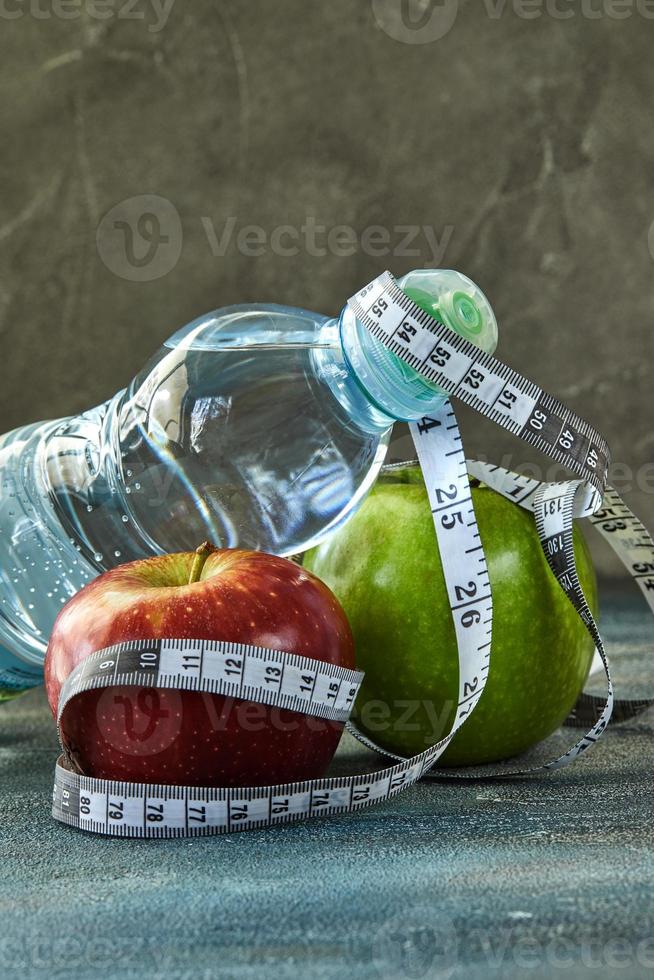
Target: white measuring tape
[308, 686]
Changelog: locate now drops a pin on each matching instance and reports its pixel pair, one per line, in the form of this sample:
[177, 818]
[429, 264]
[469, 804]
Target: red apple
[189, 737]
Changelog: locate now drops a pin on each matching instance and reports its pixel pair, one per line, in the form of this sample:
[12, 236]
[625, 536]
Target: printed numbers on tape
[236, 670]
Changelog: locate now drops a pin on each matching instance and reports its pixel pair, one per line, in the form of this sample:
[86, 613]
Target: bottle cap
[393, 386]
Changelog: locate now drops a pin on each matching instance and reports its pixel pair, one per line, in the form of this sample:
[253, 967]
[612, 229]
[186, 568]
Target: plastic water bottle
[254, 426]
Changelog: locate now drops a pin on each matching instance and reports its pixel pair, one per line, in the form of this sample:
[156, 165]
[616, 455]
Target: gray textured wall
[519, 137]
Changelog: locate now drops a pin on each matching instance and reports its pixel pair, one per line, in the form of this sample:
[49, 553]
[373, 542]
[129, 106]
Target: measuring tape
[310, 687]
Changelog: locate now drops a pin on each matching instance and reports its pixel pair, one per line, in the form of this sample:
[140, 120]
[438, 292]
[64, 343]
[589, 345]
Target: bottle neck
[394, 388]
[332, 366]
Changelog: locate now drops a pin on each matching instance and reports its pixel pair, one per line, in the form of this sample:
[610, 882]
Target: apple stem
[201, 555]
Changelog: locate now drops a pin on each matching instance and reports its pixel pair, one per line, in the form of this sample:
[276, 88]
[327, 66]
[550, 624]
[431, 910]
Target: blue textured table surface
[531, 877]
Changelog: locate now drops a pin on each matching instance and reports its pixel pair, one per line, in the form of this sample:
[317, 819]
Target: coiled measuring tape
[308, 686]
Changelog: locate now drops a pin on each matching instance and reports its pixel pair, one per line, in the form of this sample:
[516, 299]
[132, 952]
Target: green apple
[385, 568]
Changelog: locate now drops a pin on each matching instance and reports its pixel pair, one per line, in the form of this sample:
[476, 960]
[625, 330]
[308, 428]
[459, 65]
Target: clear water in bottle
[259, 427]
